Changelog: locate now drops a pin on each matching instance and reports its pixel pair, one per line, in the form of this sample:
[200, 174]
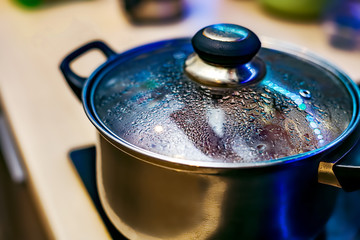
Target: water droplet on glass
[307, 137]
[225, 97]
[305, 93]
[267, 90]
[242, 102]
[266, 101]
[251, 118]
[261, 148]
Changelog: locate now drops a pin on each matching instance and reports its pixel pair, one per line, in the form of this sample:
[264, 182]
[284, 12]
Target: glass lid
[223, 103]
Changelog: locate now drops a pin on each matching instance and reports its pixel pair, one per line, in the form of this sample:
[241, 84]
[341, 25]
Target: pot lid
[229, 101]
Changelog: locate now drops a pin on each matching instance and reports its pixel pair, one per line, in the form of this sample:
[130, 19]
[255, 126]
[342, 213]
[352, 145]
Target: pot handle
[343, 169]
[342, 176]
[75, 81]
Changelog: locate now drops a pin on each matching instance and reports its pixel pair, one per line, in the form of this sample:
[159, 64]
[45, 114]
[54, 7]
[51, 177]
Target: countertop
[47, 120]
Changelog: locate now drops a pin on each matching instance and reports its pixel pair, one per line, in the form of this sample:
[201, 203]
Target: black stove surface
[344, 224]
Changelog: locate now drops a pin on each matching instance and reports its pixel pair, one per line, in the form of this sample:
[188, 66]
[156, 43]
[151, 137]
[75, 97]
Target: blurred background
[19, 218]
[42, 197]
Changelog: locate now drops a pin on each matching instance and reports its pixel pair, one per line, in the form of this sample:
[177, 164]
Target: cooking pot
[219, 137]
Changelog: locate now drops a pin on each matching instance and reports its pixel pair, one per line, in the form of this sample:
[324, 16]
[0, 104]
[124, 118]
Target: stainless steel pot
[227, 142]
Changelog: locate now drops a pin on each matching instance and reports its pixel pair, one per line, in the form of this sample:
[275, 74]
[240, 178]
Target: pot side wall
[145, 201]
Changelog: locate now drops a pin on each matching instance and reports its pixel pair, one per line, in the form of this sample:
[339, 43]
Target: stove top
[344, 224]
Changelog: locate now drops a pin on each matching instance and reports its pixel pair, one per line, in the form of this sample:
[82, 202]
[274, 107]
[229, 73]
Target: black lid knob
[226, 44]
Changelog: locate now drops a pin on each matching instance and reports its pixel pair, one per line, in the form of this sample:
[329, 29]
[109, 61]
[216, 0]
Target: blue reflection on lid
[226, 32]
[300, 104]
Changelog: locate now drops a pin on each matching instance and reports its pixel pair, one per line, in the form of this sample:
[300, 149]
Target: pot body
[152, 195]
[146, 201]
[148, 195]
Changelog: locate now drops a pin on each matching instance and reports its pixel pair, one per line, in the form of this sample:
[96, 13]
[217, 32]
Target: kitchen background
[45, 198]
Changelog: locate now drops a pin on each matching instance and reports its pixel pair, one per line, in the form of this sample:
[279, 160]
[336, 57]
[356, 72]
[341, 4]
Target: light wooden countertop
[46, 118]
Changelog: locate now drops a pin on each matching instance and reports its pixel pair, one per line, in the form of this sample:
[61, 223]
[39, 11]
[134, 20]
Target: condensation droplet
[225, 97]
[261, 148]
[267, 90]
[264, 95]
[305, 93]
